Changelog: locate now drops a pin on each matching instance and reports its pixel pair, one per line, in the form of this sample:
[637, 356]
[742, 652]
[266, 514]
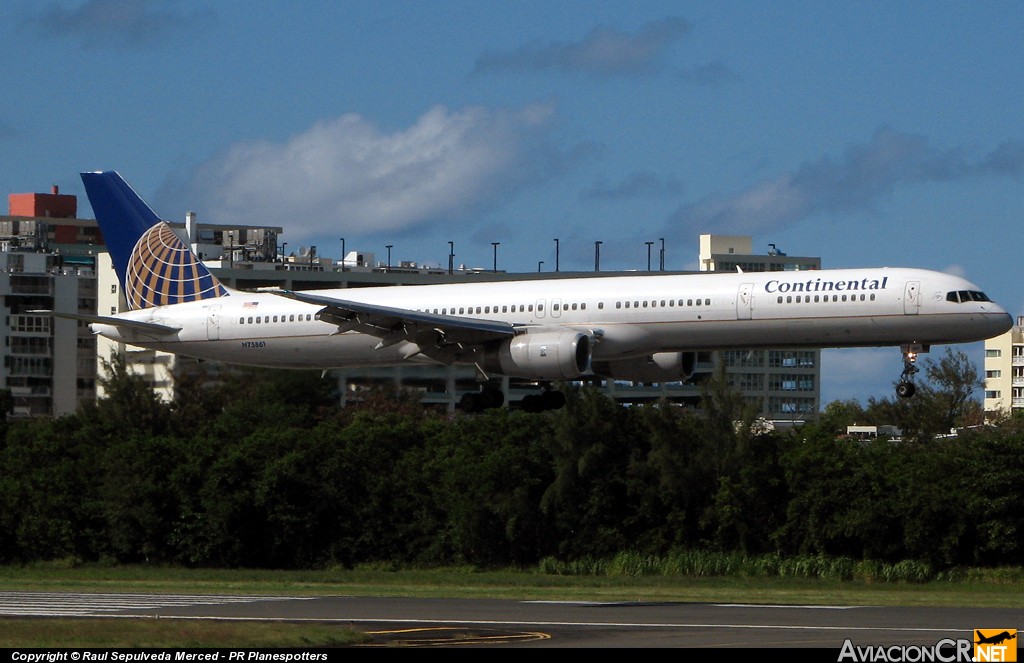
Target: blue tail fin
[153, 265]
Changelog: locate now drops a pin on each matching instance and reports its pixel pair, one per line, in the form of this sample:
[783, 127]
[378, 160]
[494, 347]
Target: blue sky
[866, 133]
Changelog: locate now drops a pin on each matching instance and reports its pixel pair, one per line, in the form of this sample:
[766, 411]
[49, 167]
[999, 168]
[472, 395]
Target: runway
[511, 623]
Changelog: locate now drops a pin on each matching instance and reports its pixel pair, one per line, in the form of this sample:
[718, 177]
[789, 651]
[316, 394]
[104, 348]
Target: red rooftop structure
[51, 204]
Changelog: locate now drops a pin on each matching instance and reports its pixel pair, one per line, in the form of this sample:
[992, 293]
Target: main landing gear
[486, 399]
[906, 388]
[491, 397]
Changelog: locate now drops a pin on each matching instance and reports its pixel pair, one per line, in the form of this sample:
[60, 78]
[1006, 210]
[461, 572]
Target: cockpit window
[961, 296]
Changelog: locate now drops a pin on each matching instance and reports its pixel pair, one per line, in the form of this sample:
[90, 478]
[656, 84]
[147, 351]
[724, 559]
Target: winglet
[152, 263]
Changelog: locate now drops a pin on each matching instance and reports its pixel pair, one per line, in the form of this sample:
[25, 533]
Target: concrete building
[47, 261]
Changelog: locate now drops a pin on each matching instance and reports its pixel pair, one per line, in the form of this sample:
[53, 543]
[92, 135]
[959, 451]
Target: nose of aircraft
[998, 322]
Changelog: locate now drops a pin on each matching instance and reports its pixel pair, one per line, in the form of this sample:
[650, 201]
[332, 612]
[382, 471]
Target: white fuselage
[627, 316]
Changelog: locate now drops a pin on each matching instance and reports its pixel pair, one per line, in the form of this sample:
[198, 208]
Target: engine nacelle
[659, 367]
[555, 355]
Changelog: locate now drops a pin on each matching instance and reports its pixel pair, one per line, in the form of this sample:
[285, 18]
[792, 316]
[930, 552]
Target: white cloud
[117, 24]
[864, 174]
[346, 175]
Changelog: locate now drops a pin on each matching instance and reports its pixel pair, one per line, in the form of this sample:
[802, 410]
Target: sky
[865, 133]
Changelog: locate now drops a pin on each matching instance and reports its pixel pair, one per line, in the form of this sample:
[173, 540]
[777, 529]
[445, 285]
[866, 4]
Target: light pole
[495, 245]
[597, 255]
[649, 244]
[231, 250]
[451, 257]
[388, 247]
[540, 263]
[662, 253]
[343, 254]
[556, 254]
[284, 251]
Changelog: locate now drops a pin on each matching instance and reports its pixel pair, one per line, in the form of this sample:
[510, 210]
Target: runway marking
[717, 605]
[802, 607]
[70, 604]
[447, 636]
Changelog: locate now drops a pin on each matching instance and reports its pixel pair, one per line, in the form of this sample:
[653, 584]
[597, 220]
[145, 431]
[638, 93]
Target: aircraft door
[213, 322]
[744, 301]
[912, 297]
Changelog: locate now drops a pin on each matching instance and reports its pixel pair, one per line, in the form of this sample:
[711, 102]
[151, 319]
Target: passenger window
[241, 321]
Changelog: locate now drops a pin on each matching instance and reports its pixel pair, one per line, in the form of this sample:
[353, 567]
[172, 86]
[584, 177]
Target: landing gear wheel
[470, 403]
[552, 400]
[485, 399]
[905, 389]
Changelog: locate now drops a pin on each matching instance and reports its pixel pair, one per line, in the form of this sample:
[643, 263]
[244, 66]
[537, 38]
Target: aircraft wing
[135, 325]
[432, 332]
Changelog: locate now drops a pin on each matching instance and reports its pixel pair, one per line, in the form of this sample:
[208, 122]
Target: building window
[993, 353]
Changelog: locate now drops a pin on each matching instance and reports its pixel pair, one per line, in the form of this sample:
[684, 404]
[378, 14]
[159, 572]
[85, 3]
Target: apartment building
[1004, 373]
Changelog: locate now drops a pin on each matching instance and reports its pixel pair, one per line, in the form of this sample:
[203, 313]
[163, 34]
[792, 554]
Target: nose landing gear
[906, 388]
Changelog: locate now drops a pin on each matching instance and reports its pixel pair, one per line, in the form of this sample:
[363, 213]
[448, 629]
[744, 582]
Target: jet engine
[554, 355]
[658, 367]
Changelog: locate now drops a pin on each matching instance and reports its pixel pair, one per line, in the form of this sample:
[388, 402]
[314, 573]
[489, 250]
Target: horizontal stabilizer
[137, 325]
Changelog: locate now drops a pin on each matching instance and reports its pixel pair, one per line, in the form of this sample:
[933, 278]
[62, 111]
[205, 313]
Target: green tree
[945, 400]
[592, 445]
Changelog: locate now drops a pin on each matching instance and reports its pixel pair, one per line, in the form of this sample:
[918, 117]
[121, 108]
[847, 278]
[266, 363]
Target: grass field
[994, 590]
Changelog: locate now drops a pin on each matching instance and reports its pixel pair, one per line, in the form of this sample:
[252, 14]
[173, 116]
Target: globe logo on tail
[162, 271]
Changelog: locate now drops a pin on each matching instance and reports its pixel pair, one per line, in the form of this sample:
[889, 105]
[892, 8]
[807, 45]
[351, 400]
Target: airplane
[996, 639]
[639, 328]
